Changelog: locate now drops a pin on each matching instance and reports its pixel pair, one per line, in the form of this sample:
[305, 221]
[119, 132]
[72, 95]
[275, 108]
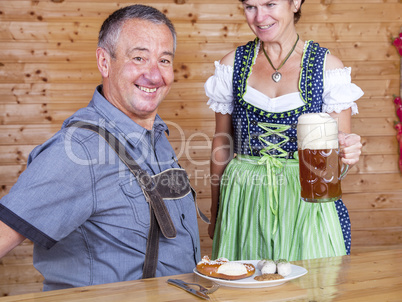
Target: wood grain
[369, 277]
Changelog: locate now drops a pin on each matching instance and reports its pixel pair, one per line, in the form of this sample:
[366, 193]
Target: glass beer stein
[321, 168]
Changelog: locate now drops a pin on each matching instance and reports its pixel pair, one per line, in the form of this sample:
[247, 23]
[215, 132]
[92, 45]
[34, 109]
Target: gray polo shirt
[84, 210]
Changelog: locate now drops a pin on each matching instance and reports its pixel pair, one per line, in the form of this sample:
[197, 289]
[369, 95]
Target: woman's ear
[296, 5]
[103, 59]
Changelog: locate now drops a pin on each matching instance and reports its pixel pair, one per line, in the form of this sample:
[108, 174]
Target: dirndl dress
[261, 214]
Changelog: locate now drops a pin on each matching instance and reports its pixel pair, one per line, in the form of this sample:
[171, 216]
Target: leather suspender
[159, 215]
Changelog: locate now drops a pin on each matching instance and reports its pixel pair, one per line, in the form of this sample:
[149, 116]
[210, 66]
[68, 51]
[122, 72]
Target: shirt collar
[116, 121]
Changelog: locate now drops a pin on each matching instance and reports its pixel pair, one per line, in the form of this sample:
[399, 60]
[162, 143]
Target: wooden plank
[36, 113]
[54, 34]
[58, 112]
[195, 151]
[181, 2]
[191, 93]
[380, 164]
[5, 188]
[374, 180]
[169, 111]
[357, 249]
[45, 93]
[68, 11]
[13, 154]
[62, 35]
[13, 73]
[376, 164]
[10, 173]
[373, 126]
[379, 145]
[194, 154]
[371, 183]
[37, 134]
[383, 237]
[375, 219]
[72, 53]
[376, 107]
[66, 92]
[31, 73]
[21, 255]
[43, 52]
[373, 201]
[18, 289]
[27, 134]
[372, 70]
[369, 105]
[196, 12]
[21, 274]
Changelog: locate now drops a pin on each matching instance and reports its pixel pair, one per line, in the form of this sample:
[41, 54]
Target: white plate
[297, 272]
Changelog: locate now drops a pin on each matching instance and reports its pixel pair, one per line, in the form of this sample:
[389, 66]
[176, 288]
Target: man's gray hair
[111, 27]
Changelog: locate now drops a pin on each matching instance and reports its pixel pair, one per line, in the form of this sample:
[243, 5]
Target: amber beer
[319, 161]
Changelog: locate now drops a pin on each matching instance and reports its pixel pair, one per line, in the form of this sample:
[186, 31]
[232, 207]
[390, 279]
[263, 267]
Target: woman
[258, 91]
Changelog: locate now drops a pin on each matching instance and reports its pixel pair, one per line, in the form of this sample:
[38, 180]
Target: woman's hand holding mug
[350, 147]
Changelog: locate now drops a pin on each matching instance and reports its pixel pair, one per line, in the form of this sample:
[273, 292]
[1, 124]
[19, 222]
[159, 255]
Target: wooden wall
[48, 71]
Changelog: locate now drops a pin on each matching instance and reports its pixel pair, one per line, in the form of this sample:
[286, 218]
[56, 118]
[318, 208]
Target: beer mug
[321, 168]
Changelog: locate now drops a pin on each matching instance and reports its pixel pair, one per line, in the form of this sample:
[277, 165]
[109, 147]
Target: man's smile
[149, 90]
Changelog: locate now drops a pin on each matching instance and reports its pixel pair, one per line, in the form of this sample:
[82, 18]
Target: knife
[183, 285]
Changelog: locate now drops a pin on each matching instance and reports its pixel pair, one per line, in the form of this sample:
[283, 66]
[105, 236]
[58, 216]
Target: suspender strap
[152, 251]
[160, 217]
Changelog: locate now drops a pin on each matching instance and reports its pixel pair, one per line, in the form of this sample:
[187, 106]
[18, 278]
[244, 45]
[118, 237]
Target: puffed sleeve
[219, 90]
[339, 91]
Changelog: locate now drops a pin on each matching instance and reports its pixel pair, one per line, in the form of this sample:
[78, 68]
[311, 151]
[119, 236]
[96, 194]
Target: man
[85, 211]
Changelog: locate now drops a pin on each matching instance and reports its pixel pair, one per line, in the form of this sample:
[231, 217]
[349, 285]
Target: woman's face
[269, 19]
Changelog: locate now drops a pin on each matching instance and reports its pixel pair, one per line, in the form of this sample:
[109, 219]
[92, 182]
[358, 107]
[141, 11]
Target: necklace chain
[276, 76]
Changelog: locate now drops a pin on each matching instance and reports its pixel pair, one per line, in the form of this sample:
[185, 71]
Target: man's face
[141, 74]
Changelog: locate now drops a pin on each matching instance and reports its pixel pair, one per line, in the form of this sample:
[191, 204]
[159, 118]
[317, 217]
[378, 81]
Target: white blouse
[339, 93]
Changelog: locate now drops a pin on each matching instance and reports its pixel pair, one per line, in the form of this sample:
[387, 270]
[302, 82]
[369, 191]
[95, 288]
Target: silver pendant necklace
[277, 76]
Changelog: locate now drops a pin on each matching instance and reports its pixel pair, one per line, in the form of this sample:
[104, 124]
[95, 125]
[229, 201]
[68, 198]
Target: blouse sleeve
[339, 91]
[219, 90]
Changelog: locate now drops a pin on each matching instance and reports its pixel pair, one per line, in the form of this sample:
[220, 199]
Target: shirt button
[293, 139]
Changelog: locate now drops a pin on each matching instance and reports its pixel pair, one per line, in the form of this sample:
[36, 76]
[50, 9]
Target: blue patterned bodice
[258, 132]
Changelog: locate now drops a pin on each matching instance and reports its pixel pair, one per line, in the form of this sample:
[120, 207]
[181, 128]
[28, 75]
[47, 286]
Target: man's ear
[103, 60]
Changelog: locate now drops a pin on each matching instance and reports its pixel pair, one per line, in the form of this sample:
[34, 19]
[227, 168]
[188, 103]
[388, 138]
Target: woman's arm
[350, 143]
[222, 153]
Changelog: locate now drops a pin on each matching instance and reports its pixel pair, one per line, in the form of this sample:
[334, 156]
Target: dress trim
[306, 85]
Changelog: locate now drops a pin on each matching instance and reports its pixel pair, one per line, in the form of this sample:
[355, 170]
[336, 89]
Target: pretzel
[222, 268]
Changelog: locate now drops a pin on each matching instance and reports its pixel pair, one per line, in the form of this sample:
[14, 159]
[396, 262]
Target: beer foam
[317, 131]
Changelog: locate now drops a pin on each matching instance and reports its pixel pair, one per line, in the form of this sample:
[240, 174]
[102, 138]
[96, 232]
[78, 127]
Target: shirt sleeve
[339, 91]
[53, 196]
[219, 89]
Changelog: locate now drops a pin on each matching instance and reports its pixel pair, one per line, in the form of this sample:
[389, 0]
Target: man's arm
[9, 239]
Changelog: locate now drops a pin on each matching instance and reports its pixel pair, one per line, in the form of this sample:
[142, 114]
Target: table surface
[372, 276]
